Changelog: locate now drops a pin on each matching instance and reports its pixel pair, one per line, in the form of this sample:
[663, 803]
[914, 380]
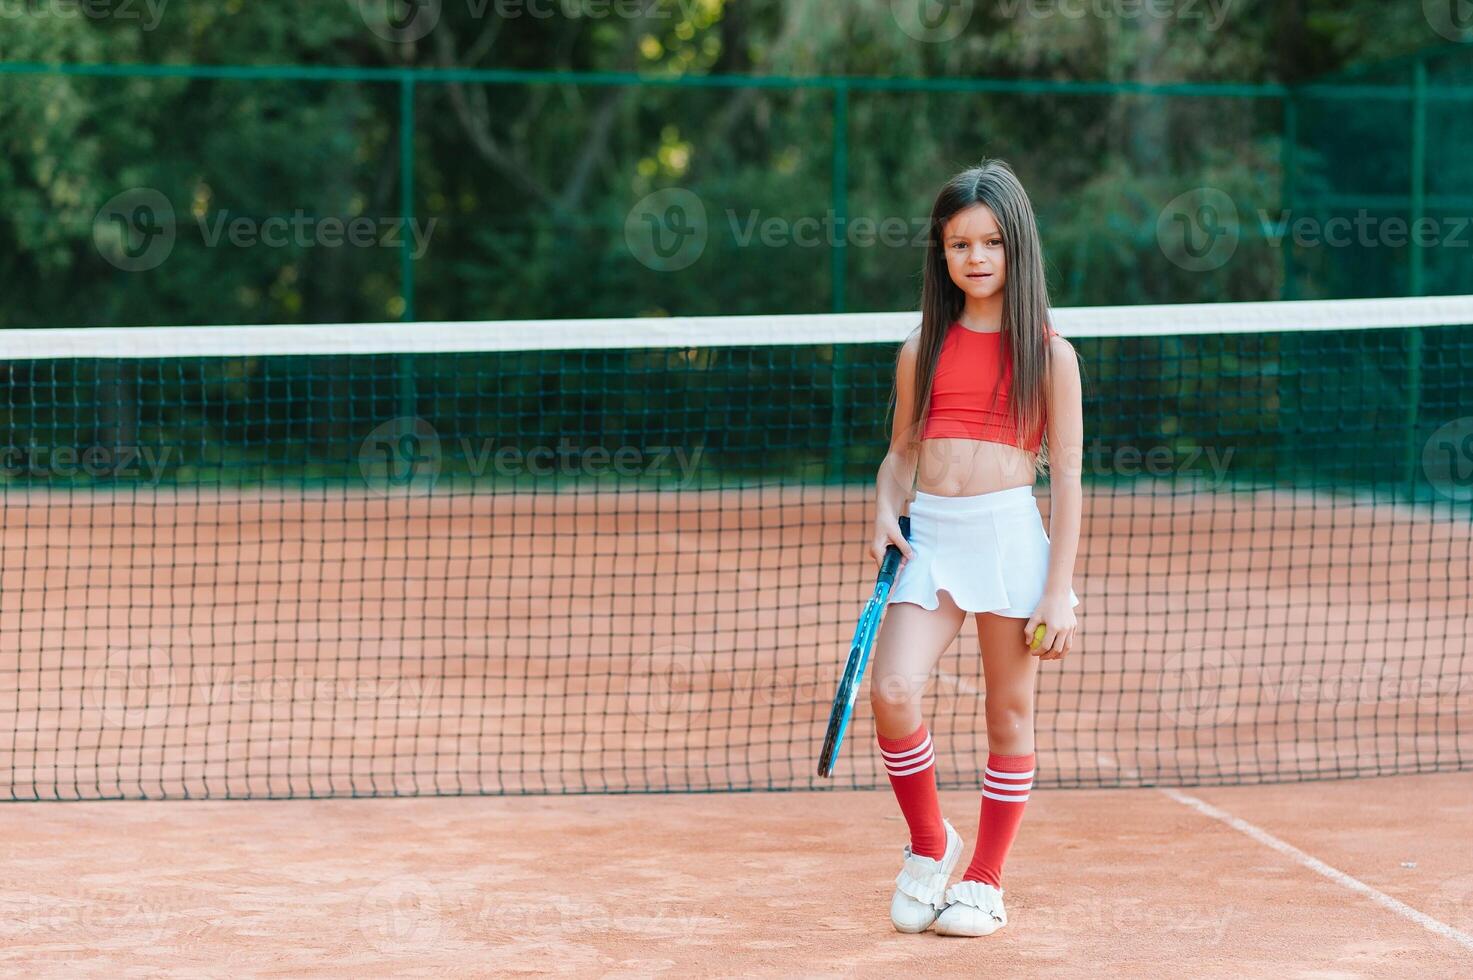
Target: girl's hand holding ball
[1049, 632]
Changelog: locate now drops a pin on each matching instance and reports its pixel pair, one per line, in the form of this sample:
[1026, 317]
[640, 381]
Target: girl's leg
[1010, 671]
[910, 642]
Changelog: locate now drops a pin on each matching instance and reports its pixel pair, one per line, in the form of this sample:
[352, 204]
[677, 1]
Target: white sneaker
[920, 888]
[975, 909]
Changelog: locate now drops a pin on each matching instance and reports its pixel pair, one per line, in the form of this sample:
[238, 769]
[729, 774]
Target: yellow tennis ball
[1038, 636]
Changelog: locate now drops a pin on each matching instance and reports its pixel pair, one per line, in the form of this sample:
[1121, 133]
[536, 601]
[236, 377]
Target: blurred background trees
[531, 183]
[192, 163]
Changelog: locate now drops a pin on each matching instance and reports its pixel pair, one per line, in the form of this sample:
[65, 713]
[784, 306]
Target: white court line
[1319, 867]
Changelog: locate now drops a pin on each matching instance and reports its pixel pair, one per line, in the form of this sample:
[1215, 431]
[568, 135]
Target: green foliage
[532, 186]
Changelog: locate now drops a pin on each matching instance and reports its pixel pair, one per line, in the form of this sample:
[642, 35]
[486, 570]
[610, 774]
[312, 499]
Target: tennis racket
[859, 650]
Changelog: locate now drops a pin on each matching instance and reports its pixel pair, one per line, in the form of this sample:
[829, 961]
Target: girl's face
[974, 253]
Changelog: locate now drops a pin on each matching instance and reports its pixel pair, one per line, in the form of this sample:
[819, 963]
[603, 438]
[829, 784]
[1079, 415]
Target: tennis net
[627, 555]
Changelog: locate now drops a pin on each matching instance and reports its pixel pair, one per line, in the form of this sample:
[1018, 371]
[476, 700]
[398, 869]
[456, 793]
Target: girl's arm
[1066, 465]
[897, 471]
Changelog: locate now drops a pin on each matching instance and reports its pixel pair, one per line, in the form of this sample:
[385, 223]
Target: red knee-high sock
[911, 763]
[1005, 786]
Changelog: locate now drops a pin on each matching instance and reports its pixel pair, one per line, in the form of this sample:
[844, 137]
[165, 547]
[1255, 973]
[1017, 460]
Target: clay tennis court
[321, 644]
[1100, 882]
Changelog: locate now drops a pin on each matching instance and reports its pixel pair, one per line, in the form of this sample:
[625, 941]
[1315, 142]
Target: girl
[974, 386]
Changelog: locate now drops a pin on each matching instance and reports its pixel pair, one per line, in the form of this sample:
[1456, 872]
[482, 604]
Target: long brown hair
[1025, 294]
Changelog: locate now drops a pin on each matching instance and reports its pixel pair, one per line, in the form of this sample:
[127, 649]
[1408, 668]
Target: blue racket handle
[891, 565]
[859, 651]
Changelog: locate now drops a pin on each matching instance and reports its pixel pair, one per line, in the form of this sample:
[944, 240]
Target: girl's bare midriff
[951, 467]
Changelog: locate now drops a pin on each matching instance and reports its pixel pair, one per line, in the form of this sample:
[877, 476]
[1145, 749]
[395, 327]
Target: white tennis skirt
[988, 551]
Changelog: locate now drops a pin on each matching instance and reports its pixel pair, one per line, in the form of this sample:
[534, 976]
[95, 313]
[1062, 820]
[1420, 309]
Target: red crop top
[962, 405]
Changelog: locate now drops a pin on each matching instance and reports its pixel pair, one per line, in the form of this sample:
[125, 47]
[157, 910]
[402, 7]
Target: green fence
[500, 162]
[537, 183]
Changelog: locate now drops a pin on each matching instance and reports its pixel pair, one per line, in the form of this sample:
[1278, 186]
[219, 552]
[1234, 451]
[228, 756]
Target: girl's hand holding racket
[887, 532]
[1049, 632]
[864, 640]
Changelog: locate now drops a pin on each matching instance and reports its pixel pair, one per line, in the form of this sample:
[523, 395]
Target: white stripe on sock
[989, 771]
[1005, 799]
[928, 763]
[908, 754]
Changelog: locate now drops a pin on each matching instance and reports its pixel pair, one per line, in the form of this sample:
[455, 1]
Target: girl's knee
[895, 688]
[884, 706]
[894, 719]
[1009, 719]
